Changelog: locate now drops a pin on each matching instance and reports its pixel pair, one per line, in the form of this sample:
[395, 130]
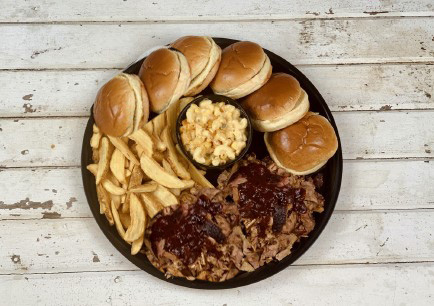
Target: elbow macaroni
[213, 133]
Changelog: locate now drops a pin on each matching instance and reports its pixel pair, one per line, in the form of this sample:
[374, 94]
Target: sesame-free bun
[121, 105]
[303, 147]
[277, 104]
[203, 56]
[166, 75]
[244, 68]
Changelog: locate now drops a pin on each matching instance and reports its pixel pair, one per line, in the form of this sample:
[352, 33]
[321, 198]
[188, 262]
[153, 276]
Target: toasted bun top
[196, 49]
[114, 106]
[240, 62]
[160, 73]
[273, 100]
[305, 144]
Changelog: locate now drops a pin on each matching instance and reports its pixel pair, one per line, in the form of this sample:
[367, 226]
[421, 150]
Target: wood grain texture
[366, 185]
[332, 285]
[301, 42]
[71, 245]
[345, 88]
[364, 135]
[150, 10]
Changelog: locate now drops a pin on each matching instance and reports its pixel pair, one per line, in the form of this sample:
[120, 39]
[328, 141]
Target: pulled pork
[255, 216]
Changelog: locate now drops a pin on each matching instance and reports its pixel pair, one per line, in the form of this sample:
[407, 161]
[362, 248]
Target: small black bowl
[214, 98]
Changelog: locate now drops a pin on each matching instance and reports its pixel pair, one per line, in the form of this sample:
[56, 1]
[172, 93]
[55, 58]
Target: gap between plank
[416, 262]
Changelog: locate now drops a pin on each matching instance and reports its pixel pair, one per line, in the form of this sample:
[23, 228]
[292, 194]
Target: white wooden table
[371, 60]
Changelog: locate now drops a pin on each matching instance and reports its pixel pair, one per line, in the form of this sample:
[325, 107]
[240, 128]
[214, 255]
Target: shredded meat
[236, 241]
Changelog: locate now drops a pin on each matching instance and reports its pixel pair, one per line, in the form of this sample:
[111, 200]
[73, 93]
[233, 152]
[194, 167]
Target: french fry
[172, 155]
[117, 165]
[116, 200]
[152, 205]
[160, 146]
[104, 159]
[196, 175]
[167, 167]
[104, 198]
[158, 174]
[164, 196]
[112, 188]
[123, 147]
[147, 187]
[175, 191]
[96, 137]
[93, 168]
[138, 219]
[144, 141]
[136, 246]
[183, 103]
[125, 219]
[135, 180]
[158, 156]
[127, 173]
[117, 220]
[159, 123]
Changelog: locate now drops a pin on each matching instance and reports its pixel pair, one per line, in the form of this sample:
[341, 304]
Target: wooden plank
[71, 245]
[364, 135]
[24, 11]
[339, 41]
[366, 185]
[348, 87]
[333, 285]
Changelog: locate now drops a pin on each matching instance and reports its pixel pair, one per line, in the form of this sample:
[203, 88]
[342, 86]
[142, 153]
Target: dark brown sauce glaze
[186, 231]
[261, 197]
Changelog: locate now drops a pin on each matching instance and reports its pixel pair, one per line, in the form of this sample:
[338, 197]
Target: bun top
[160, 72]
[274, 99]
[114, 107]
[240, 62]
[305, 144]
[197, 50]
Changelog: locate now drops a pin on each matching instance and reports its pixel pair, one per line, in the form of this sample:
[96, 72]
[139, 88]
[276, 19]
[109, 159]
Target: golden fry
[196, 175]
[123, 147]
[112, 188]
[93, 168]
[147, 187]
[117, 220]
[167, 167]
[158, 174]
[136, 246]
[104, 199]
[144, 141]
[164, 196]
[138, 219]
[153, 206]
[158, 156]
[135, 180]
[125, 219]
[172, 155]
[117, 165]
[104, 159]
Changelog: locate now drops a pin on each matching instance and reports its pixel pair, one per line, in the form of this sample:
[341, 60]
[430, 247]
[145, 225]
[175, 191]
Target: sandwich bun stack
[203, 56]
[244, 68]
[121, 106]
[303, 147]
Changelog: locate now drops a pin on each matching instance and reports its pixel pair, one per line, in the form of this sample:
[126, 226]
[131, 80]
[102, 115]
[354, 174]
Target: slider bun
[277, 104]
[121, 105]
[304, 147]
[244, 68]
[166, 76]
[203, 56]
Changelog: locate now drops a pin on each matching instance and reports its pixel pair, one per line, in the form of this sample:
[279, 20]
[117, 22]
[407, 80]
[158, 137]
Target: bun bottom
[300, 109]
[279, 164]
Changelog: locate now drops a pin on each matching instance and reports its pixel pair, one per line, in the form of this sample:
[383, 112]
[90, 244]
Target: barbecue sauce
[261, 197]
[187, 229]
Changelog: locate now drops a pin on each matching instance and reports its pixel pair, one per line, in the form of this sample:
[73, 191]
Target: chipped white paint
[350, 237]
[150, 10]
[364, 135]
[359, 87]
[301, 42]
[383, 215]
[366, 185]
